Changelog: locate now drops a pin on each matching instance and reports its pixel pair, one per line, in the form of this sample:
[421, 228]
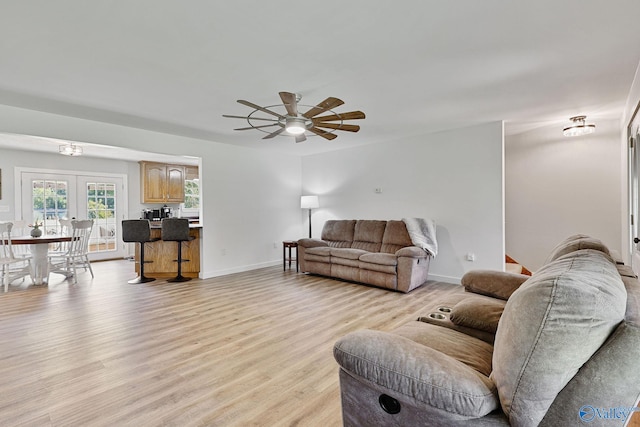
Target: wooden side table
[288, 244]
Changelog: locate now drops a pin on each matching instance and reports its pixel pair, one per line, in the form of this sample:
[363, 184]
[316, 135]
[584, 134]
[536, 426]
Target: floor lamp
[309, 202]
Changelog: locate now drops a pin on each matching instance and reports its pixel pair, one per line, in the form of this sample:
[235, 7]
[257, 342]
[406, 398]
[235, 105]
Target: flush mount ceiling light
[70, 150]
[579, 127]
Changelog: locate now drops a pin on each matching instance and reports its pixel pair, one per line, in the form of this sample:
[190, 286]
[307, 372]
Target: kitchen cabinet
[161, 182]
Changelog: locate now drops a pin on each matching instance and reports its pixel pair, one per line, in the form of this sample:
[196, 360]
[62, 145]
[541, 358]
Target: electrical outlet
[275, 245]
[471, 256]
[378, 190]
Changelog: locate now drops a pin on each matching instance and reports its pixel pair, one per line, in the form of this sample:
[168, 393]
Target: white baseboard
[241, 269]
[446, 279]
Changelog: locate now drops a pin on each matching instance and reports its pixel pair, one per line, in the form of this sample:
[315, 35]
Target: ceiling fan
[320, 119]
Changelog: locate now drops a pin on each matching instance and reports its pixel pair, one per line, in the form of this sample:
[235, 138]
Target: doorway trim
[122, 211]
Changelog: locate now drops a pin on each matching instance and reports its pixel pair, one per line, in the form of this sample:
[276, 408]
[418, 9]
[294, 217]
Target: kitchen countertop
[158, 225]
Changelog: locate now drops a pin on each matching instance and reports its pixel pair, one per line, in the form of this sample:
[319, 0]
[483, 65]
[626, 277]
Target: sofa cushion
[422, 375]
[368, 235]
[339, 233]
[550, 327]
[383, 263]
[379, 258]
[395, 237]
[348, 257]
[575, 243]
[347, 253]
[471, 351]
[478, 313]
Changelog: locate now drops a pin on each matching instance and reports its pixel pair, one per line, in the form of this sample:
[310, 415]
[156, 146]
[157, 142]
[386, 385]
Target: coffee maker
[157, 214]
[166, 212]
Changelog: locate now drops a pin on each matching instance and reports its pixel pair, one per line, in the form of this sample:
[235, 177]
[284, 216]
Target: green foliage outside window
[191, 194]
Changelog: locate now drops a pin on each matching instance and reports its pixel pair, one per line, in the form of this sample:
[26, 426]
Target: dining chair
[22, 266]
[21, 252]
[20, 228]
[65, 230]
[77, 253]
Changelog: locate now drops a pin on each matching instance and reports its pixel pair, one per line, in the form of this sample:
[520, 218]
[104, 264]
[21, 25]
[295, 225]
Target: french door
[49, 197]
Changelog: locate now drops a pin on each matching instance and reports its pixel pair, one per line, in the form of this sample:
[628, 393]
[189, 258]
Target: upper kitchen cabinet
[162, 183]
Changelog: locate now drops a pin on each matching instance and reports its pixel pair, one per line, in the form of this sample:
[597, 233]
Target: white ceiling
[413, 66]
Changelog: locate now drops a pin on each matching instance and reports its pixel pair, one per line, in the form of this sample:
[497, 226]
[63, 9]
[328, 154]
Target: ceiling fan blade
[338, 126]
[276, 133]
[257, 107]
[325, 105]
[301, 138]
[290, 103]
[351, 115]
[257, 127]
[248, 118]
[325, 135]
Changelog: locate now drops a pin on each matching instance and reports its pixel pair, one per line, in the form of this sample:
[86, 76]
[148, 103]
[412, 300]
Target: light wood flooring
[249, 349]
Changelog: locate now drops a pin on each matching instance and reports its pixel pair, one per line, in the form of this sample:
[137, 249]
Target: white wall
[558, 186]
[250, 197]
[454, 177]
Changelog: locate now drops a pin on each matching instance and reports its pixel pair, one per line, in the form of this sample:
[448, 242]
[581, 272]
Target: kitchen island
[164, 254]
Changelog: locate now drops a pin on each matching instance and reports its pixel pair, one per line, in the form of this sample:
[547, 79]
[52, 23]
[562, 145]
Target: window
[191, 205]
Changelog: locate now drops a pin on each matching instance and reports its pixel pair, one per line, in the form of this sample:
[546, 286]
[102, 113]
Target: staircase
[513, 266]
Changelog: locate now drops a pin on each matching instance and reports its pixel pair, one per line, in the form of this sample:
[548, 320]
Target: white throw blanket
[423, 233]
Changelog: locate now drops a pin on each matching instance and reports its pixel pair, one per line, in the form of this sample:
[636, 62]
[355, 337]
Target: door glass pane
[49, 200]
[101, 208]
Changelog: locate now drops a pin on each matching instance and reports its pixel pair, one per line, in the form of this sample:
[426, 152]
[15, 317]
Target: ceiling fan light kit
[320, 119]
[295, 125]
[579, 127]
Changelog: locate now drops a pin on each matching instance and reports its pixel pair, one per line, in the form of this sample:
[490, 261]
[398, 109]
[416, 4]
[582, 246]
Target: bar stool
[177, 230]
[138, 230]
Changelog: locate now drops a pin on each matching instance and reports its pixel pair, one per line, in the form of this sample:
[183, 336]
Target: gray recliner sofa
[379, 253]
[564, 351]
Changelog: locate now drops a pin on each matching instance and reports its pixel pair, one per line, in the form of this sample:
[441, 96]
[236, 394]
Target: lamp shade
[309, 202]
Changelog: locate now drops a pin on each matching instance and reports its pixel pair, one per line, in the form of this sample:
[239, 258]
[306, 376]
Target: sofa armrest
[416, 373]
[478, 313]
[311, 243]
[412, 252]
[497, 284]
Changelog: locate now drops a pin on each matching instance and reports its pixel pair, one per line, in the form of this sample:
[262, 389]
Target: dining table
[40, 253]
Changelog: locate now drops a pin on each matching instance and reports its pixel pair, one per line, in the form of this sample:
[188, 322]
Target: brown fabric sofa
[564, 351]
[378, 253]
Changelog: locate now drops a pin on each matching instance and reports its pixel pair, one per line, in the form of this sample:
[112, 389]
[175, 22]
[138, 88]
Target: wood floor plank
[248, 349]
